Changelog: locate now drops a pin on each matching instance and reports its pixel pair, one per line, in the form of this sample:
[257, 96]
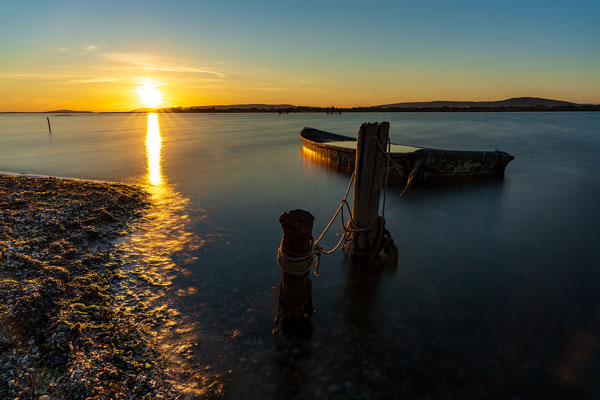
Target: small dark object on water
[295, 256]
[49, 129]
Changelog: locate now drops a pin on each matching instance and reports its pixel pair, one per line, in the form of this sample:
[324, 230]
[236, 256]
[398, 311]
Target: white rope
[350, 227]
[296, 266]
[339, 209]
[388, 155]
[411, 176]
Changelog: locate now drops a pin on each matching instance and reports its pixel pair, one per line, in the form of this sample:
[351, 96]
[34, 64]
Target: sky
[95, 55]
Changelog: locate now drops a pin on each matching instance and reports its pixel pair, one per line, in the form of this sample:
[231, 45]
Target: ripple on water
[146, 290]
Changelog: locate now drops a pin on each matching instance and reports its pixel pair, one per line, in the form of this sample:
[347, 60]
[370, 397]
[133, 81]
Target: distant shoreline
[515, 104]
[333, 110]
[300, 110]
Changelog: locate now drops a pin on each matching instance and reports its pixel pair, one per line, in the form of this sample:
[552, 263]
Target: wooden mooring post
[369, 172]
[49, 129]
[295, 257]
[299, 251]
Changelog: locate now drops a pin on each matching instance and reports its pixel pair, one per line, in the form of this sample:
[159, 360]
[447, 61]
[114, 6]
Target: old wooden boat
[423, 163]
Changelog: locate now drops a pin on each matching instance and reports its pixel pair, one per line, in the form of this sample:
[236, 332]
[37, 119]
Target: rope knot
[317, 249]
[300, 265]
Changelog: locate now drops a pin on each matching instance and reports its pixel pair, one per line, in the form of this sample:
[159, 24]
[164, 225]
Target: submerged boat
[422, 162]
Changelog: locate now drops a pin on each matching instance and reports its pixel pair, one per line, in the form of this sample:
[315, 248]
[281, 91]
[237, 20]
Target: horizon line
[407, 104]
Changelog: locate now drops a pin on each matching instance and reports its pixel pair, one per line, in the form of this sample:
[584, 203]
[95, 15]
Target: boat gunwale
[420, 150]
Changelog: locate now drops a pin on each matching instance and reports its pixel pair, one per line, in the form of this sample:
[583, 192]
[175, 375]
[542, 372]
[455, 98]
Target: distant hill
[514, 102]
[68, 111]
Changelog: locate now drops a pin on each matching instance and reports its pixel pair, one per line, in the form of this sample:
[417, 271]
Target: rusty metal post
[295, 308]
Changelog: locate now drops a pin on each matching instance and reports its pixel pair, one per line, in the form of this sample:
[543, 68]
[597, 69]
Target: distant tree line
[337, 110]
[570, 107]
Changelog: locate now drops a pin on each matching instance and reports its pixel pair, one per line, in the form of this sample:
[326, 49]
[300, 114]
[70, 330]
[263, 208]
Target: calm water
[497, 291]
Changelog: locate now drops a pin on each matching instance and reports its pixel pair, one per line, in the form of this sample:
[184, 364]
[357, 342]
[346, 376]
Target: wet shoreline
[61, 333]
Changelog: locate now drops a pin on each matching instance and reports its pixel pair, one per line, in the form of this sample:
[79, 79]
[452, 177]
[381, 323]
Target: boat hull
[428, 164]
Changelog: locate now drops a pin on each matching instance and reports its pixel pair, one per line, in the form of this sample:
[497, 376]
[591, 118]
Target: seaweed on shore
[60, 332]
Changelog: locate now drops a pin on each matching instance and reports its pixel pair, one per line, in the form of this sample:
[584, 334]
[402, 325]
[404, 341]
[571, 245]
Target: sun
[149, 94]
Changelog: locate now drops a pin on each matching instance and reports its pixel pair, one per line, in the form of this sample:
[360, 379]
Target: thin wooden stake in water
[49, 129]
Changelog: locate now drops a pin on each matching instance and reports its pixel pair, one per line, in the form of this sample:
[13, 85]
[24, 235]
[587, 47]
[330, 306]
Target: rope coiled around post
[383, 239]
[297, 265]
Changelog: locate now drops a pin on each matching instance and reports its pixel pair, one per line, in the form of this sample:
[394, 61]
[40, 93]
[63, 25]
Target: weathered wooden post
[49, 129]
[369, 171]
[295, 257]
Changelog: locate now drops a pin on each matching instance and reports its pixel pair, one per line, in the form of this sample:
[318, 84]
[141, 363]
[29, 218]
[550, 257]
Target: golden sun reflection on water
[314, 163]
[156, 254]
[153, 148]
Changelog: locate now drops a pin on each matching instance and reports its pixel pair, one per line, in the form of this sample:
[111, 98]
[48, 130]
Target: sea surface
[496, 293]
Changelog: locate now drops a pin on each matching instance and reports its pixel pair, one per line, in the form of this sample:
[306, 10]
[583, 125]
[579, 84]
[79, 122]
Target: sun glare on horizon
[149, 94]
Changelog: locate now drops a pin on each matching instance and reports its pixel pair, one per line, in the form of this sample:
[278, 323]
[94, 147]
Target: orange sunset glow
[146, 60]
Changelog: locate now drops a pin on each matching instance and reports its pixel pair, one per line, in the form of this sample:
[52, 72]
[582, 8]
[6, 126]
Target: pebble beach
[61, 335]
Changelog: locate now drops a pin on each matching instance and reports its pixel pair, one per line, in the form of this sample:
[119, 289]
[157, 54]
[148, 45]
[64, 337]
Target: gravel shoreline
[61, 336]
